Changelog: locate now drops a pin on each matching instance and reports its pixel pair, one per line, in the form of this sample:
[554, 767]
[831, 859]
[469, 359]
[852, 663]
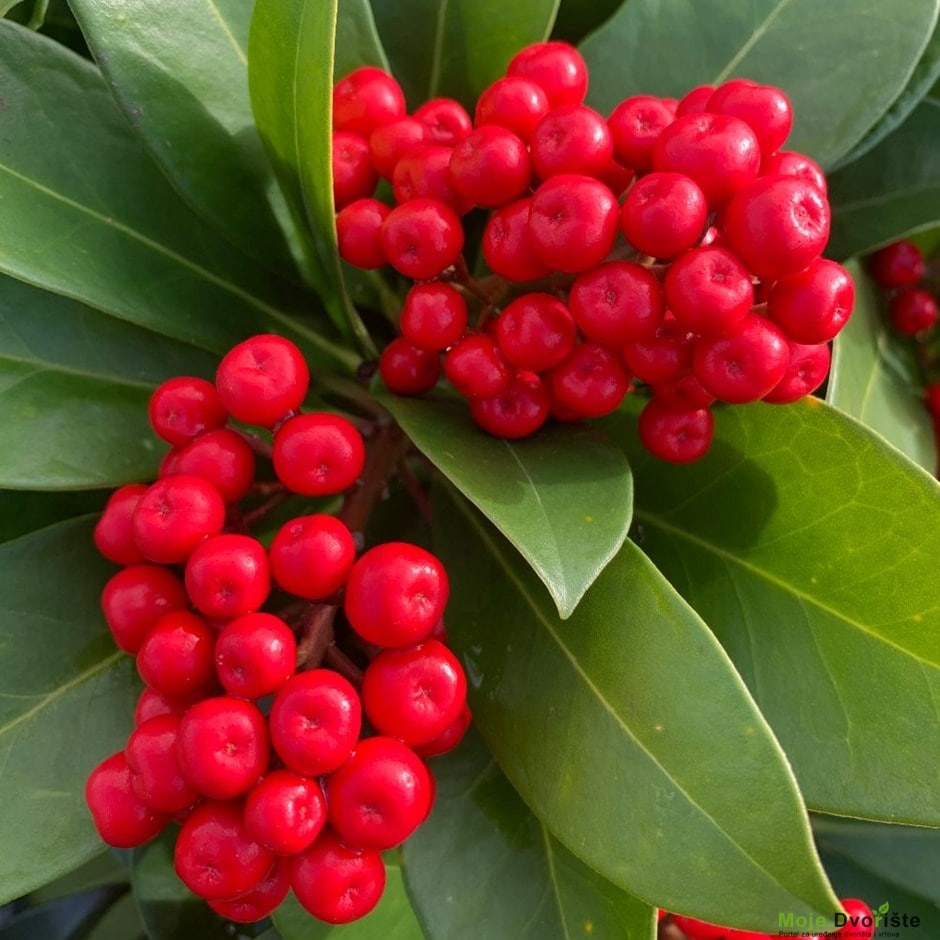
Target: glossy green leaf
[290, 74]
[891, 191]
[458, 47]
[842, 62]
[563, 497]
[874, 377]
[22, 512]
[103, 869]
[62, 680]
[810, 547]
[196, 121]
[577, 19]
[392, 919]
[627, 731]
[103, 225]
[74, 385]
[357, 40]
[529, 886]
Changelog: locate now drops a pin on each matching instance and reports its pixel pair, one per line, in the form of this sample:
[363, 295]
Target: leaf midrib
[106, 378]
[752, 41]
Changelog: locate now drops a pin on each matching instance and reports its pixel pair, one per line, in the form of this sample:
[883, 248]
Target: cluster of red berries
[281, 773]
[673, 245]
[859, 925]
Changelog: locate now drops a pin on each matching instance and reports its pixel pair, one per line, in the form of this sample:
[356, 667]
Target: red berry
[791, 163]
[366, 99]
[120, 816]
[507, 244]
[421, 238]
[535, 332]
[863, 927]
[708, 291]
[777, 225]
[744, 364]
[311, 556]
[318, 454]
[571, 139]
[215, 857]
[591, 382]
[414, 694]
[263, 899]
[514, 103]
[720, 153]
[228, 576]
[683, 394]
[380, 795]
[222, 747]
[175, 515]
[556, 67]
[408, 370]
[932, 398]
[354, 177]
[176, 657]
[390, 142]
[151, 703]
[806, 371]
[157, 778]
[676, 436]
[395, 594]
[490, 166]
[635, 125]
[764, 108]
[285, 812]
[224, 458]
[434, 316]
[664, 214]
[694, 101]
[336, 883]
[445, 121]
[449, 738]
[573, 222]
[183, 408]
[134, 599]
[664, 357]
[476, 367]
[424, 173]
[616, 303]
[814, 304]
[617, 177]
[357, 231]
[315, 722]
[114, 531]
[263, 379]
[255, 655]
[913, 311]
[518, 411]
[900, 264]
[699, 929]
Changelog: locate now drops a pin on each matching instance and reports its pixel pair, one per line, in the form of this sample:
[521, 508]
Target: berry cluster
[859, 925]
[672, 245]
[283, 773]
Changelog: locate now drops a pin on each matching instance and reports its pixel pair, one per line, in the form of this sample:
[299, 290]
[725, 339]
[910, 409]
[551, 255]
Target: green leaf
[810, 547]
[103, 225]
[357, 40]
[892, 191]
[464, 44]
[392, 919]
[832, 59]
[290, 75]
[195, 121]
[102, 870]
[120, 922]
[529, 886]
[62, 680]
[576, 19]
[874, 377]
[628, 733]
[22, 512]
[563, 497]
[64, 919]
[925, 75]
[74, 384]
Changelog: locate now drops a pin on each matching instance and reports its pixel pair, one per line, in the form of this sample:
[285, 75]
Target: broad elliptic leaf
[74, 385]
[892, 191]
[392, 919]
[810, 547]
[842, 63]
[104, 869]
[628, 733]
[528, 886]
[62, 680]
[179, 71]
[357, 40]
[576, 19]
[874, 377]
[22, 512]
[923, 79]
[290, 76]
[457, 48]
[87, 214]
[563, 497]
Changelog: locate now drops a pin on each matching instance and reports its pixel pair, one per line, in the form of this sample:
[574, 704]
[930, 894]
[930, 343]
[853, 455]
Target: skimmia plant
[466, 470]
